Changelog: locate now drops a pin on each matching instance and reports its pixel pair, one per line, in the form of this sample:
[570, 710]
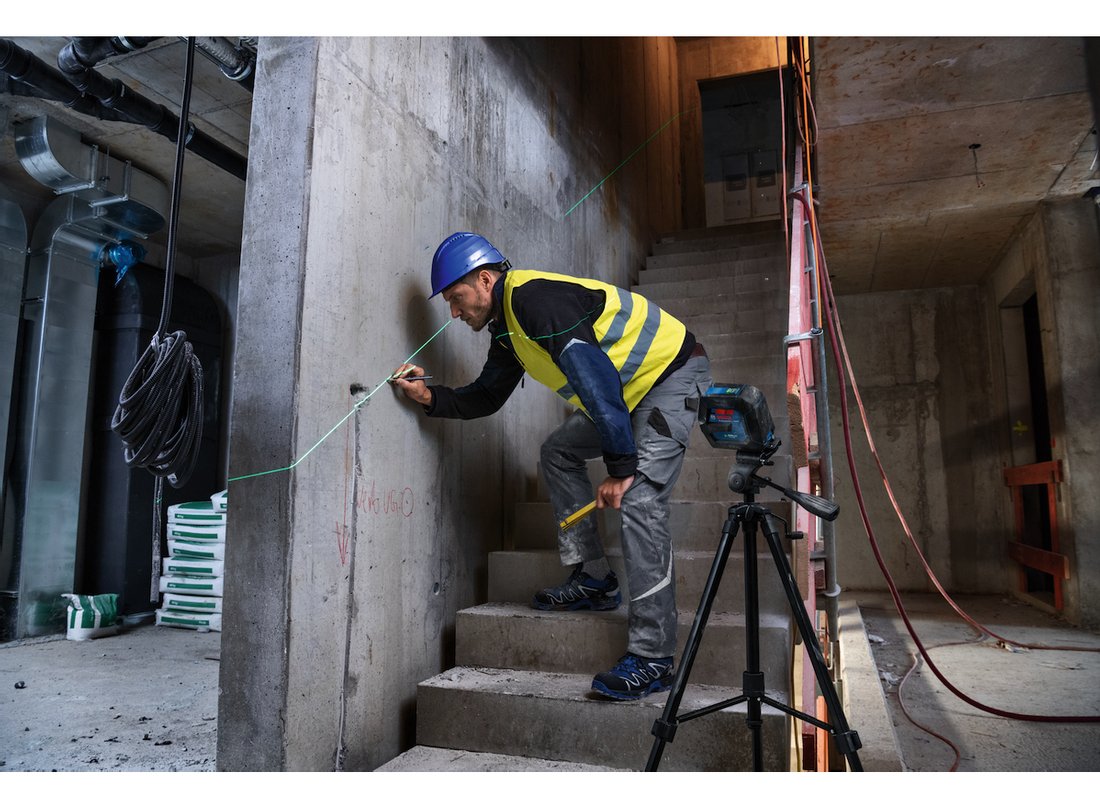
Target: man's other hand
[610, 493]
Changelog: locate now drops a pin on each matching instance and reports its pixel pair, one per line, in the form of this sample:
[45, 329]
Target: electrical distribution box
[764, 184]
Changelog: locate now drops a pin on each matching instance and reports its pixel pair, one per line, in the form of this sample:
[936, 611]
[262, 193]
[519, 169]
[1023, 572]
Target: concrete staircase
[520, 696]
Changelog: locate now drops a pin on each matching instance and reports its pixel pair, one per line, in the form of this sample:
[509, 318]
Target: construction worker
[635, 373]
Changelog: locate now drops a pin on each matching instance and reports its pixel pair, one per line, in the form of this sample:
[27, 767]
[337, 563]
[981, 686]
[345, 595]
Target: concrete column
[251, 711]
[1072, 234]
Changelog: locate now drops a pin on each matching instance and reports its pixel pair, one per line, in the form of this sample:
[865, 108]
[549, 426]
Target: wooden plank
[1031, 474]
[1054, 564]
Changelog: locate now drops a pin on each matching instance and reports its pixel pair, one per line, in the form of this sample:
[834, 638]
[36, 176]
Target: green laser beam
[636, 151]
[347, 416]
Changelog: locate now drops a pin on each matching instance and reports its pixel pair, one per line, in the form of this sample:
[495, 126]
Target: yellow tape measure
[577, 516]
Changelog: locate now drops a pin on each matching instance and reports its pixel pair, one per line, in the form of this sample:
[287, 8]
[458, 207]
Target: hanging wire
[159, 413]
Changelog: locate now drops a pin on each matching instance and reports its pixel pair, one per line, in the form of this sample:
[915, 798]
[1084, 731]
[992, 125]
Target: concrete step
[773, 267]
[733, 252]
[556, 716]
[442, 759]
[719, 237]
[747, 343]
[515, 636]
[695, 524]
[704, 475]
[685, 310]
[703, 286]
[515, 576]
[738, 320]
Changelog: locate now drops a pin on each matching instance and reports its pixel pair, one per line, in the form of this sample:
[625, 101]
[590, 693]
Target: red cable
[905, 711]
[783, 142]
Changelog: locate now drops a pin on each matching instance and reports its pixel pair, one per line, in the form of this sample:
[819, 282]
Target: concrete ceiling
[906, 202]
[903, 204]
[212, 200]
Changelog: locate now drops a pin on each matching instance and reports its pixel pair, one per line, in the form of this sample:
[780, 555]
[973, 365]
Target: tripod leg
[664, 728]
[847, 740]
[752, 682]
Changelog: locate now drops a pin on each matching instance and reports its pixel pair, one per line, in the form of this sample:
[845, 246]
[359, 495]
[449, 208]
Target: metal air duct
[13, 264]
[84, 86]
[104, 202]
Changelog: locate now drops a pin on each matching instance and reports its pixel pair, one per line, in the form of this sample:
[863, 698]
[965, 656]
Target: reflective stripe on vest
[640, 338]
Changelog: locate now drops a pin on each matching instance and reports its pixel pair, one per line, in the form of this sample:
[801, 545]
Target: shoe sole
[579, 605]
[656, 686]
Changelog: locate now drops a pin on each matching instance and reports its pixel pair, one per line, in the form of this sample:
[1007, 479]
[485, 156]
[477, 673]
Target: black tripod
[743, 479]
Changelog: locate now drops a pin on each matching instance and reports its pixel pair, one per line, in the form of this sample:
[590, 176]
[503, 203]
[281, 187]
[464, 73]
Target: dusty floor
[146, 700]
[1024, 681]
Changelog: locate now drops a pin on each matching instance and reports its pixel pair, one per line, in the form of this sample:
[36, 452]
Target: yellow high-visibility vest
[640, 339]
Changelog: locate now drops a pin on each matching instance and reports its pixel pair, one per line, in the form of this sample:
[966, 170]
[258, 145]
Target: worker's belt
[698, 351]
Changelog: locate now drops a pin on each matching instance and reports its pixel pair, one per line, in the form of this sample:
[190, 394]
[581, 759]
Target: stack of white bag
[192, 571]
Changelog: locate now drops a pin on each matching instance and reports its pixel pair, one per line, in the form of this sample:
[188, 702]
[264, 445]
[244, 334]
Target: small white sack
[184, 619]
[208, 568]
[210, 534]
[205, 552]
[191, 584]
[191, 602]
[91, 615]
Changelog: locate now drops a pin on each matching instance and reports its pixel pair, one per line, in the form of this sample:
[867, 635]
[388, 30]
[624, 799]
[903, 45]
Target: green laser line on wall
[347, 416]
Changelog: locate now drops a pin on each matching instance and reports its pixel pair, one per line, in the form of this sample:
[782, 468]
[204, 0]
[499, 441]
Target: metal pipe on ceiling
[80, 85]
[236, 62]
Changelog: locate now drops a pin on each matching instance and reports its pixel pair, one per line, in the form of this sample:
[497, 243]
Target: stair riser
[749, 252]
[774, 270]
[515, 576]
[691, 308]
[674, 289]
[591, 642]
[742, 320]
[721, 238]
[704, 475]
[615, 734]
[695, 525]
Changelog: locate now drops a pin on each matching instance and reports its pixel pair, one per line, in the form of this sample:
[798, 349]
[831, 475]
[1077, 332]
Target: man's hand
[610, 493]
[414, 390]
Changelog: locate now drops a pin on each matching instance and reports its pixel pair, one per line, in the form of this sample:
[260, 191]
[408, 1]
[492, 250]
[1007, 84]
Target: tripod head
[743, 479]
[736, 417]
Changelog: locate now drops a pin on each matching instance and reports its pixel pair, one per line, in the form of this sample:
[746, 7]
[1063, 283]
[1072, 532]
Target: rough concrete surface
[1007, 678]
[145, 700]
[114, 704]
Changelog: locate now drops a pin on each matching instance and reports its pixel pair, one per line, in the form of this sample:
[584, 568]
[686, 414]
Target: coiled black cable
[160, 414]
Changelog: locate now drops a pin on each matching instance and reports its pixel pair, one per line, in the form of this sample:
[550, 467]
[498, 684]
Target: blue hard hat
[459, 254]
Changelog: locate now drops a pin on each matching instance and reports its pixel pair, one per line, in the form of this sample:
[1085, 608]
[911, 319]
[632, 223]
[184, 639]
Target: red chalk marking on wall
[386, 501]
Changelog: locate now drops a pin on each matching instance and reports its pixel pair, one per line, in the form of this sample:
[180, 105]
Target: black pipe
[81, 103]
[82, 88]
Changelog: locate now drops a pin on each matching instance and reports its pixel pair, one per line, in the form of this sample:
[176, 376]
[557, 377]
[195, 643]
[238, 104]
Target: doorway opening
[742, 131]
[1034, 476]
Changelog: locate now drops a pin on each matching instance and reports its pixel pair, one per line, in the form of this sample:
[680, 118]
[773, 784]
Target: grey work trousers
[662, 424]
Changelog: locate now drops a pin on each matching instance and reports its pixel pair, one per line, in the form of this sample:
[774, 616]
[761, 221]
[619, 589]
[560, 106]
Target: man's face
[472, 302]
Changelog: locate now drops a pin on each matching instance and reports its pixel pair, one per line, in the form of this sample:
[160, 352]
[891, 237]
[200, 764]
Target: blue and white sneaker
[581, 591]
[634, 677]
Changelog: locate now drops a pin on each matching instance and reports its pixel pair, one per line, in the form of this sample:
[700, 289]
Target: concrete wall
[1057, 256]
[921, 362]
[345, 573]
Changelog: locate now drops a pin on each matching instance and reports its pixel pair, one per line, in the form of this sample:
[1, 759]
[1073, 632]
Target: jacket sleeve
[485, 395]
